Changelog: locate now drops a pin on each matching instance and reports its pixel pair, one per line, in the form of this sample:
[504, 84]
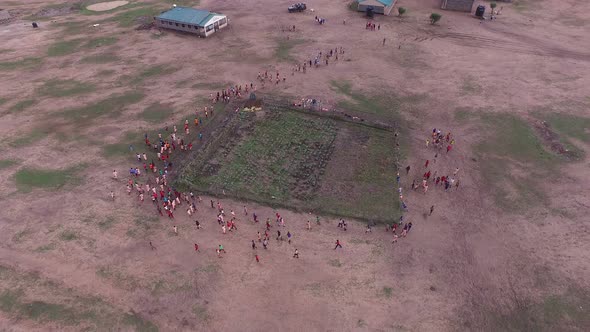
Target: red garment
[449, 148]
[426, 164]
[196, 247]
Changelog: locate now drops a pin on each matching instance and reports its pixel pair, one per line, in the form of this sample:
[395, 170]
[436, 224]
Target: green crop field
[282, 158]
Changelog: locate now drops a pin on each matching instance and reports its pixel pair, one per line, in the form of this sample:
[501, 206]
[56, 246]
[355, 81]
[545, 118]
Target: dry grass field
[507, 250]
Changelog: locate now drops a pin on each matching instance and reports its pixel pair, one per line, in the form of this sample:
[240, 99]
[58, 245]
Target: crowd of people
[153, 182]
[151, 179]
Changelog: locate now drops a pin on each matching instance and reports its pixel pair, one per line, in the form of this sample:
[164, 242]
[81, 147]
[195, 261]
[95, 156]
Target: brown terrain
[507, 250]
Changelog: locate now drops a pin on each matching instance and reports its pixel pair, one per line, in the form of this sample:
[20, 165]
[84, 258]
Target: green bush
[435, 17]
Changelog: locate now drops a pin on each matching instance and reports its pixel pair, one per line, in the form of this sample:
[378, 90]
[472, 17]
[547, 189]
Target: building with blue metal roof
[192, 20]
[377, 6]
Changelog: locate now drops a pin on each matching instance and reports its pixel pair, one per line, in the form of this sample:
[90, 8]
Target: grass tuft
[9, 300]
[107, 223]
[135, 320]
[65, 88]
[30, 178]
[154, 71]
[130, 17]
[7, 163]
[22, 105]
[335, 263]
[101, 59]
[112, 105]
[64, 47]
[26, 63]
[68, 235]
[570, 125]
[100, 42]
[284, 47]
[45, 248]
[156, 113]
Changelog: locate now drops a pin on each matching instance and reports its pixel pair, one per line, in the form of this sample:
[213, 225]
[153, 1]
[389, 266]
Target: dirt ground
[507, 250]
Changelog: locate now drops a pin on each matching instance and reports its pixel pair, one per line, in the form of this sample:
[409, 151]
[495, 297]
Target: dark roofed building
[458, 5]
[197, 21]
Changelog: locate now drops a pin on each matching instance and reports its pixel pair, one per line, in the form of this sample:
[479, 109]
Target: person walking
[198, 224]
[196, 247]
[431, 210]
[257, 259]
[338, 245]
[221, 249]
[296, 254]
[115, 175]
[308, 225]
[407, 169]
[265, 243]
[289, 236]
[253, 245]
[152, 246]
[175, 229]
[384, 41]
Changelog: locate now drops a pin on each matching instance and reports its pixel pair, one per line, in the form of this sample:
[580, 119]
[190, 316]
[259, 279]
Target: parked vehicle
[297, 7]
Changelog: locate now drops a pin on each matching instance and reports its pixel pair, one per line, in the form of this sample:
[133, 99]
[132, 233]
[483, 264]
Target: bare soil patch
[104, 6]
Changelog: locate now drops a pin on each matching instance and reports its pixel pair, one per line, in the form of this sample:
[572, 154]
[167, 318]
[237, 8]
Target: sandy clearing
[104, 6]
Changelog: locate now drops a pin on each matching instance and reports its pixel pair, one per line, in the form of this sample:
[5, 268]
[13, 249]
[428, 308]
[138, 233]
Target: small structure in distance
[376, 6]
[200, 22]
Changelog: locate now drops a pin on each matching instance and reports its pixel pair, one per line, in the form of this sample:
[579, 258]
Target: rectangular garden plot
[301, 161]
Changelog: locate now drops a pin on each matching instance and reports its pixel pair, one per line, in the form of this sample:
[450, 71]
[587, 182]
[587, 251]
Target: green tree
[401, 11]
[493, 5]
[435, 17]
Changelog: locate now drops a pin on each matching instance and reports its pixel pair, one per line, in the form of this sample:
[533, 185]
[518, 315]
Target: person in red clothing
[426, 164]
[428, 175]
[443, 179]
[449, 148]
[257, 259]
[196, 247]
[337, 244]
